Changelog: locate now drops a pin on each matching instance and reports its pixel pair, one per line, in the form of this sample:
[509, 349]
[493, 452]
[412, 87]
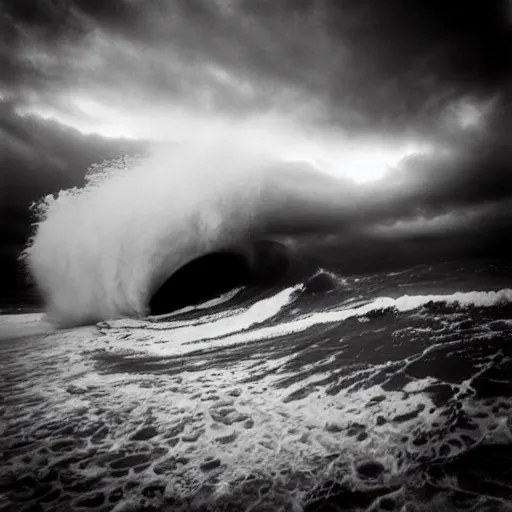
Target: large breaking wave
[101, 251]
[104, 250]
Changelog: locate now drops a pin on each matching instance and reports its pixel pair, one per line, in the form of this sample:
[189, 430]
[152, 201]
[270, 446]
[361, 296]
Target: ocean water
[371, 392]
[286, 387]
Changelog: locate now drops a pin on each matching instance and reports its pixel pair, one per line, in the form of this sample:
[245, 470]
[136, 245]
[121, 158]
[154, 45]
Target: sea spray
[100, 252]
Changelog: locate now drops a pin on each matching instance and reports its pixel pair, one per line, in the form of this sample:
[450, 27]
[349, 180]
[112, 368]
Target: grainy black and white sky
[83, 80]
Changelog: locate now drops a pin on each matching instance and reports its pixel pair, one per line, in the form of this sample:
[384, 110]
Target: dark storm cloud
[370, 63]
[425, 50]
[363, 65]
[39, 157]
[431, 208]
[42, 156]
[436, 184]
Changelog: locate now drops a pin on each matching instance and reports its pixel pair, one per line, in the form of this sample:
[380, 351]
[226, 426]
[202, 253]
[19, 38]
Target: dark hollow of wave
[213, 274]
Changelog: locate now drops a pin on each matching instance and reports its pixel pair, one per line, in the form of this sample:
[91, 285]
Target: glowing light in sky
[91, 118]
[326, 150]
[104, 120]
[361, 162]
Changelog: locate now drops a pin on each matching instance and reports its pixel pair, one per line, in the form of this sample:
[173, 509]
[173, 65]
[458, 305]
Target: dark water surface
[297, 399]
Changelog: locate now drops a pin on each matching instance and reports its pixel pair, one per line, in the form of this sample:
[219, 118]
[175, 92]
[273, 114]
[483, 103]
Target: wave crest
[100, 252]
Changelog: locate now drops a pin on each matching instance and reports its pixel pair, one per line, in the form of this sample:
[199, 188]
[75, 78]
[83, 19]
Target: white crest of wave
[403, 303]
[101, 252]
[190, 338]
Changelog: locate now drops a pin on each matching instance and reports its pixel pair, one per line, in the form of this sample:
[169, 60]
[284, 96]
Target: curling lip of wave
[101, 252]
[174, 338]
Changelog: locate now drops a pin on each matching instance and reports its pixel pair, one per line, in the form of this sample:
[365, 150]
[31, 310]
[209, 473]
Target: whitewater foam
[279, 417]
[191, 336]
[239, 326]
[28, 324]
[404, 303]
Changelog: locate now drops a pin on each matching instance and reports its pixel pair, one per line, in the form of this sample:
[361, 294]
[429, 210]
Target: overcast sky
[421, 86]
[122, 67]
